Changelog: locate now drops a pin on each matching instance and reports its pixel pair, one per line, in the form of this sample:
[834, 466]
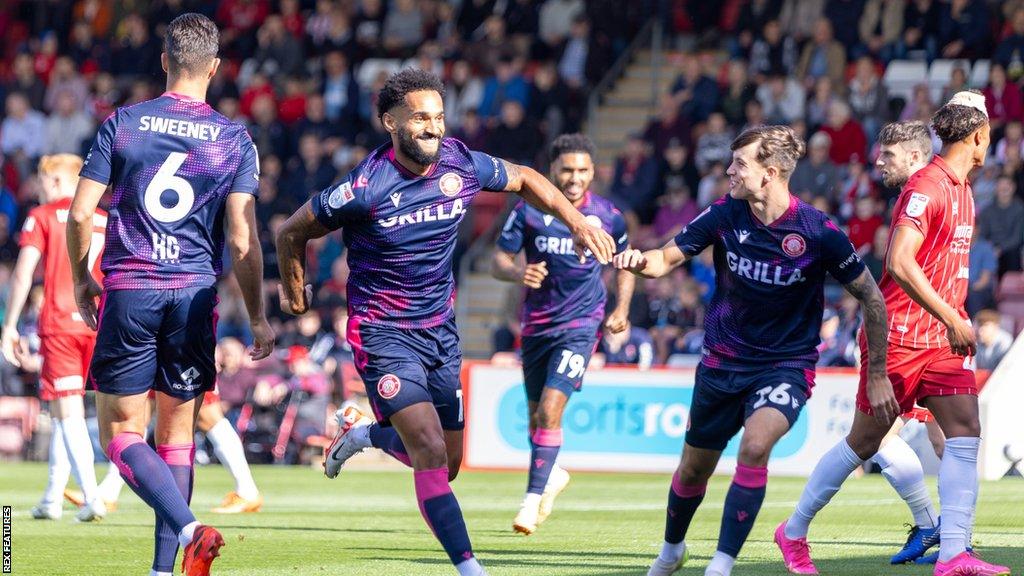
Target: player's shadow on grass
[261, 527]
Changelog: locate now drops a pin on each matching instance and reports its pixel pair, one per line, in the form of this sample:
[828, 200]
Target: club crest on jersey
[593, 220]
[917, 204]
[389, 386]
[341, 195]
[451, 184]
[794, 245]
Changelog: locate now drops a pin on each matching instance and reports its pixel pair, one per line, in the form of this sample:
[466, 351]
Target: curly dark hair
[954, 122]
[401, 83]
[569, 143]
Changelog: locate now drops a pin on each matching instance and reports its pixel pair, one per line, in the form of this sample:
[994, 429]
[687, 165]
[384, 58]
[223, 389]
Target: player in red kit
[66, 342]
[931, 344]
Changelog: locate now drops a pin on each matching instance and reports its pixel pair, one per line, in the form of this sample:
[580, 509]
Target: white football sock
[228, 447]
[186, 534]
[59, 469]
[720, 565]
[902, 468]
[958, 490]
[79, 445]
[671, 553]
[469, 568]
[825, 481]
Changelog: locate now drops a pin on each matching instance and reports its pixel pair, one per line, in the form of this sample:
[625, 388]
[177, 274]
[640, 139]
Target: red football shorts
[65, 364]
[917, 373]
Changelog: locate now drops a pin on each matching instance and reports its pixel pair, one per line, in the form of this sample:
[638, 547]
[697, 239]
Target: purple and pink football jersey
[400, 229]
[172, 161]
[769, 282]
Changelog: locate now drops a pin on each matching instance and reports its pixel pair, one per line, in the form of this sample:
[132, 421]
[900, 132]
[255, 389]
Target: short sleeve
[247, 177]
[490, 171]
[33, 231]
[340, 204]
[923, 205]
[701, 232]
[839, 256]
[619, 232]
[98, 162]
[511, 238]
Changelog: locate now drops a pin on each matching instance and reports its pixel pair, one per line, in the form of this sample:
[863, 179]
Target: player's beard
[894, 179]
[410, 146]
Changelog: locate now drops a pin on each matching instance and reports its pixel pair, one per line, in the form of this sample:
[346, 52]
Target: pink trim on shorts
[549, 437]
[751, 476]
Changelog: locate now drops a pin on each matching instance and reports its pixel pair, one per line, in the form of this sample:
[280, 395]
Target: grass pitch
[367, 523]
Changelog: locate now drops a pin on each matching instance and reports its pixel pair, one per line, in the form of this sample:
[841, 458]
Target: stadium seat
[979, 74]
[902, 75]
[1015, 309]
[1011, 287]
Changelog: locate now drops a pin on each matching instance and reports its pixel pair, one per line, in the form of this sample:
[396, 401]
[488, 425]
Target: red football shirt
[941, 207]
[45, 230]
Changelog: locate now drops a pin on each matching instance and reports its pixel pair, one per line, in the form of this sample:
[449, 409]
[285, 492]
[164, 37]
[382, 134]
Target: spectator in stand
[835, 348]
[710, 186]
[25, 80]
[964, 29]
[668, 125]
[277, 51]
[314, 120]
[490, 46]
[782, 99]
[738, 92]
[291, 15]
[462, 92]
[957, 82]
[822, 56]
[856, 184]
[239, 20]
[754, 114]
[880, 27]
[848, 139]
[677, 209]
[369, 26]
[677, 168]
[633, 346]
[258, 84]
[636, 178]
[816, 175]
[267, 132]
[844, 16]
[309, 173]
[714, 145]
[332, 30]
[1010, 52]
[920, 105]
[875, 258]
[137, 53]
[506, 84]
[65, 80]
[574, 54]
[22, 133]
[1002, 224]
[983, 272]
[1002, 99]
[819, 103]
[993, 341]
[556, 20]
[68, 126]
[8, 204]
[8, 244]
[861, 227]
[549, 98]
[695, 93]
[403, 28]
[1013, 137]
[234, 380]
[773, 53]
[754, 17]
[920, 29]
[341, 95]
[799, 17]
[515, 137]
[292, 106]
[472, 131]
[869, 98]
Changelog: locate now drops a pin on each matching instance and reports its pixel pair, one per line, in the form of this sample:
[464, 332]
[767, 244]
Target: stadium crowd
[303, 76]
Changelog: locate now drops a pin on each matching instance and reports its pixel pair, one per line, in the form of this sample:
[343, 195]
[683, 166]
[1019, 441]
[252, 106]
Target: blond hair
[67, 167]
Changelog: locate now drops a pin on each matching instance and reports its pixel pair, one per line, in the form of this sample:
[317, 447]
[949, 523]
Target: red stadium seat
[1011, 287]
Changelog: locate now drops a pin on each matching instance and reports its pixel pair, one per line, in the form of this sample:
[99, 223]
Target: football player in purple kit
[563, 312]
[181, 173]
[399, 210]
[772, 252]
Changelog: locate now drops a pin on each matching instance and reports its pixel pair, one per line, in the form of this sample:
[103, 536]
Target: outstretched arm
[652, 263]
[247, 262]
[295, 233]
[21, 284]
[618, 320]
[542, 194]
[884, 406]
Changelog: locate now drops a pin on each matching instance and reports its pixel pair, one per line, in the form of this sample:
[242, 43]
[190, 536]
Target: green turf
[367, 523]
